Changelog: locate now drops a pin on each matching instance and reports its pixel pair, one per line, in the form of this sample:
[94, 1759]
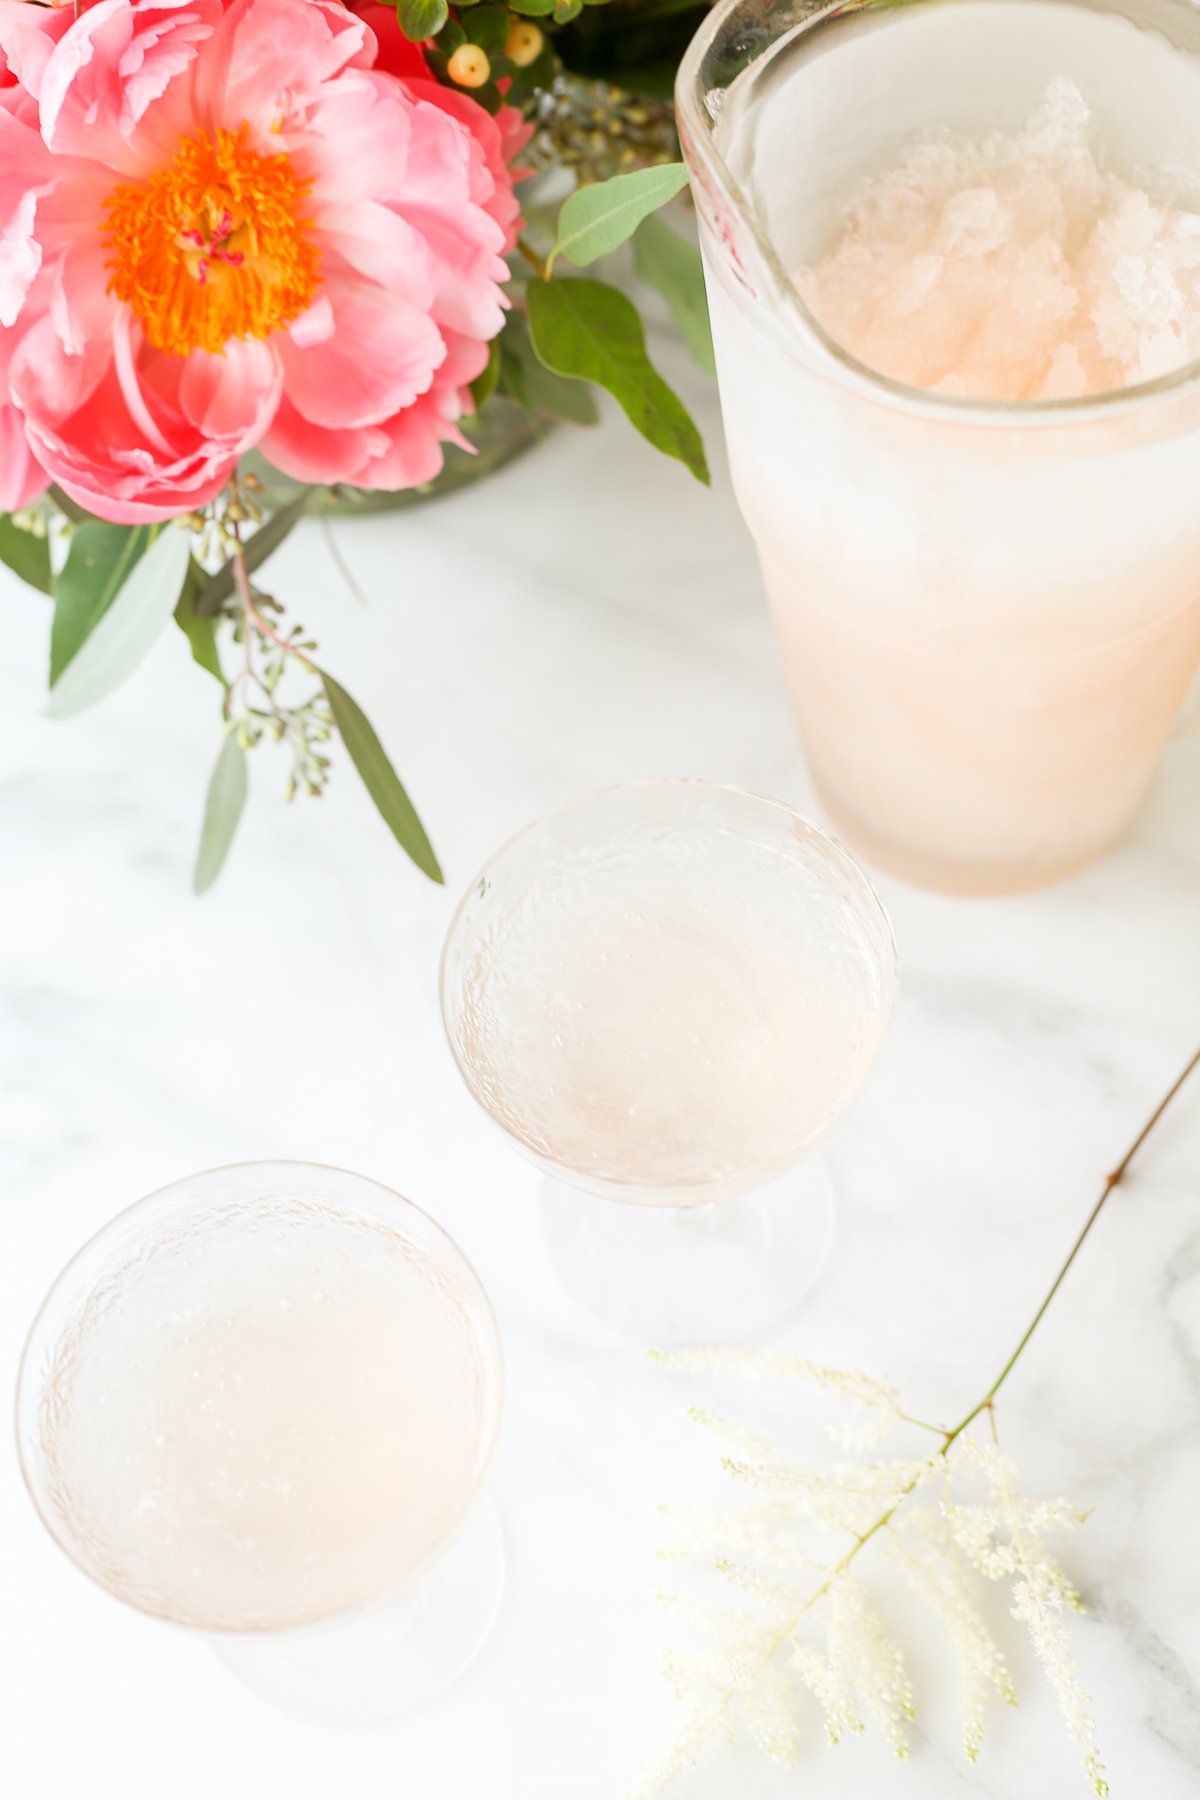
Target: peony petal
[314, 325]
[46, 382]
[378, 243]
[405, 452]
[27, 36]
[26, 176]
[409, 204]
[309, 452]
[414, 454]
[234, 395]
[124, 353]
[22, 478]
[270, 56]
[104, 74]
[81, 308]
[111, 426]
[382, 354]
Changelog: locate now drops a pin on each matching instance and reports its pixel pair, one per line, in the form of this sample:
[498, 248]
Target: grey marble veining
[589, 616]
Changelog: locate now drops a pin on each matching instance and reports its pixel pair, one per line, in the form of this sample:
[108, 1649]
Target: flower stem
[985, 1405]
[1110, 1182]
[533, 259]
[255, 620]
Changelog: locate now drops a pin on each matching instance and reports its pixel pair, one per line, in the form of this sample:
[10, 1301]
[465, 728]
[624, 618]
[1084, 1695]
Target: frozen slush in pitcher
[953, 262]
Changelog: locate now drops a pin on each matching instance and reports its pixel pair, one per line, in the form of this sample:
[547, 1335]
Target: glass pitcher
[988, 613]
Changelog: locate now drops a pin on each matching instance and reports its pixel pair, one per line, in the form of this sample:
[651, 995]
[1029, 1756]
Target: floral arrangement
[289, 230]
[947, 1515]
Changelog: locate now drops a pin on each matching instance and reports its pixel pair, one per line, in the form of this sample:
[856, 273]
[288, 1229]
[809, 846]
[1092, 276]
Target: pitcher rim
[698, 140]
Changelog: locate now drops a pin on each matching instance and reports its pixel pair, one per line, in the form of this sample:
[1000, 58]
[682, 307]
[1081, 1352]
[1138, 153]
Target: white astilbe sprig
[938, 1572]
[996, 1536]
[871, 1664]
[876, 1399]
[755, 1667]
[844, 1497]
[702, 1730]
[798, 1641]
[764, 1528]
[1007, 1540]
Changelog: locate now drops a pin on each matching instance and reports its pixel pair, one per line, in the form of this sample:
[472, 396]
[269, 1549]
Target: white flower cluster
[755, 1664]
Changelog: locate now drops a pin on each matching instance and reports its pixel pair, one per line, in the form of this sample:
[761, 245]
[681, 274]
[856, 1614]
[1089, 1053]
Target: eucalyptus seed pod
[599, 130]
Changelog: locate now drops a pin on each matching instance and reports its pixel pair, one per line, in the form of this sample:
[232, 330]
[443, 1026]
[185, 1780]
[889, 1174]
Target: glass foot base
[391, 1661]
[673, 1275]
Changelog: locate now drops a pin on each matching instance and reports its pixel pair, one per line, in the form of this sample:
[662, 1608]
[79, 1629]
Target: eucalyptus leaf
[118, 642]
[200, 632]
[98, 563]
[257, 549]
[222, 809]
[26, 555]
[70, 509]
[597, 218]
[588, 331]
[536, 389]
[672, 266]
[421, 19]
[379, 778]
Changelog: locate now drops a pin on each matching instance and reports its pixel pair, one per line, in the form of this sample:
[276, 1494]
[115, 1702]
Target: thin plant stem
[255, 620]
[1110, 1182]
[535, 261]
[342, 566]
[987, 1403]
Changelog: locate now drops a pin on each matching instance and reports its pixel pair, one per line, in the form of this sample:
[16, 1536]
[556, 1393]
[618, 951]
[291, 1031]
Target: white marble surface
[591, 616]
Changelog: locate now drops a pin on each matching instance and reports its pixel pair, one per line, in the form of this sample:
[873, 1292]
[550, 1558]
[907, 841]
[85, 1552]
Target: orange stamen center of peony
[213, 246]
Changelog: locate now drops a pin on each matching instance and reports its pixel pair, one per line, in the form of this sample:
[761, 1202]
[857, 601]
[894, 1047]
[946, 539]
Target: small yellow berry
[469, 66]
[523, 44]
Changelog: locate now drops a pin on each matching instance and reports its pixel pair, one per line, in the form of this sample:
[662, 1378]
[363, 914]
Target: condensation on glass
[988, 613]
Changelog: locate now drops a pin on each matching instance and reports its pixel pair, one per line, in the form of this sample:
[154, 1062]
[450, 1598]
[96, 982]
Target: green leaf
[26, 555]
[672, 266]
[446, 43]
[566, 10]
[533, 79]
[590, 332]
[264, 543]
[421, 19]
[488, 27]
[533, 386]
[595, 219]
[484, 386]
[380, 779]
[100, 558]
[533, 9]
[222, 809]
[70, 509]
[200, 632]
[119, 641]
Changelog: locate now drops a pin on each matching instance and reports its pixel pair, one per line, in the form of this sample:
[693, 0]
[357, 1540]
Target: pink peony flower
[233, 225]
[501, 137]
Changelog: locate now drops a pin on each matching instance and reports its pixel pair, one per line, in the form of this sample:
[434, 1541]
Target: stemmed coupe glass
[260, 1405]
[666, 994]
